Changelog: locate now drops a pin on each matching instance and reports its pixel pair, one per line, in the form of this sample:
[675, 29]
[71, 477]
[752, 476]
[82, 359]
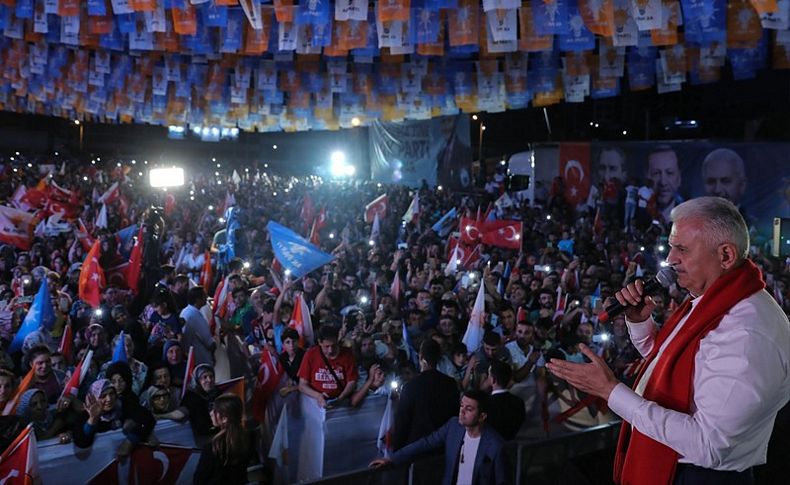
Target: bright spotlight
[331, 235]
[338, 157]
[166, 177]
[371, 242]
[246, 265]
[287, 272]
[355, 121]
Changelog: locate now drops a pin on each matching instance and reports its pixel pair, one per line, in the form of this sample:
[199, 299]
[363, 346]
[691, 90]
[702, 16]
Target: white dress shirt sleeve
[642, 334]
[740, 381]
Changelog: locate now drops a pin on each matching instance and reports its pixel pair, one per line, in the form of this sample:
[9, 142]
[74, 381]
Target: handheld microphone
[663, 279]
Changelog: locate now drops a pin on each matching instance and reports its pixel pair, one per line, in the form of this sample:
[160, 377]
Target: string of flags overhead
[320, 64]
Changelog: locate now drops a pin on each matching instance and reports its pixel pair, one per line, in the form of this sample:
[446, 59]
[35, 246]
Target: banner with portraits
[754, 176]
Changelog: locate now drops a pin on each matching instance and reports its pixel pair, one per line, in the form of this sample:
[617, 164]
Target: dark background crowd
[541, 302]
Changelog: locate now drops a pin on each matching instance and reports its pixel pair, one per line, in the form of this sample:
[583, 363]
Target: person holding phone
[328, 373]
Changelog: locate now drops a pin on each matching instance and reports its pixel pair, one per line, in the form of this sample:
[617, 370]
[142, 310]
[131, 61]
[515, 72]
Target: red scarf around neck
[642, 460]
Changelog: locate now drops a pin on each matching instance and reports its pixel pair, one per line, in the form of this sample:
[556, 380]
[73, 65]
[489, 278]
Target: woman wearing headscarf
[33, 406]
[173, 355]
[139, 369]
[159, 400]
[224, 460]
[120, 376]
[105, 412]
[96, 340]
[199, 399]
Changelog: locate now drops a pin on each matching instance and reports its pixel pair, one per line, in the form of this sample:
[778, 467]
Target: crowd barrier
[69, 465]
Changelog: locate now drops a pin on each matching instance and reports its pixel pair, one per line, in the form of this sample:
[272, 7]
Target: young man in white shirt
[473, 452]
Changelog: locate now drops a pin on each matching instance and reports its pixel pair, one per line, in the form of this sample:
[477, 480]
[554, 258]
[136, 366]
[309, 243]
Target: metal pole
[81, 135]
[480, 145]
[519, 462]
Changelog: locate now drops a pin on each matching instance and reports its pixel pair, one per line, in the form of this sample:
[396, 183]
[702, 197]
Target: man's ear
[483, 417]
[728, 255]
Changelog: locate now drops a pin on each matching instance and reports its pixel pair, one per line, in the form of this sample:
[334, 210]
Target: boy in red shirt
[328, 372]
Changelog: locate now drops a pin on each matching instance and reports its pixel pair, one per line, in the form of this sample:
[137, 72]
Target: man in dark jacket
[427, 402]
[473, 451]
[506, 411]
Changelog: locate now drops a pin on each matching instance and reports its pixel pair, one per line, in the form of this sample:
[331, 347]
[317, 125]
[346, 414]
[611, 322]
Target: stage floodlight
[166, 177]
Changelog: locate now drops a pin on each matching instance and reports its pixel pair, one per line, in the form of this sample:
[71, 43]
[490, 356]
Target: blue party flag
[294, 252]
[119, 354]
[41, 314]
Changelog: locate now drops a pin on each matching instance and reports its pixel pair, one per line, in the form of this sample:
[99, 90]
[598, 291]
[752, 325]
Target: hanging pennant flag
[529, 39]
[393, 10]
[775, 20]
[351, 10]
[40, 315]
[295, 253]
[743, 25]
[91, 282]
[551, 16]
[473, 336]
[648, 14]
[463, 23]
[598, 16]
[626, 32]
[576, 37]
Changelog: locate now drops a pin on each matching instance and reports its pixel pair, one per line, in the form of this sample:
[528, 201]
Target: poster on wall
[412, 151]
[754, 176]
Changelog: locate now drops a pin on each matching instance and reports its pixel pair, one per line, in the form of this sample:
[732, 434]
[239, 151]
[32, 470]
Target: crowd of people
[541, 303]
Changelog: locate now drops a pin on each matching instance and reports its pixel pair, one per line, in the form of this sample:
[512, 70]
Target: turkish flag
[575, 170]
[471, 230]
[320, 221]
[504, 234]
[379, 205]
[205, 273]
[269, 374]
[308, 211]
[16, 227]
[19, 462]
[163, 464]
[468, 254]
[91, 280]
[135, 267]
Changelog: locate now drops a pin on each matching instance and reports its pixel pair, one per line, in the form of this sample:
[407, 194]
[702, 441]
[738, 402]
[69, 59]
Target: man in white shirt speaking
[715, 375]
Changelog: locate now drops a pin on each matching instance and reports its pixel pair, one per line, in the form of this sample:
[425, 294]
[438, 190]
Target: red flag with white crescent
[91, 280]
[19, 462]
[377, 206]
[471, 230]
[575, 171]
[504, 234]
[269, 374]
